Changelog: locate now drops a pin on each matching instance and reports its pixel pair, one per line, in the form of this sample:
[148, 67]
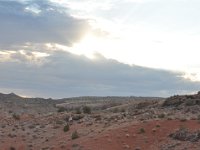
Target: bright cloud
[144, 32]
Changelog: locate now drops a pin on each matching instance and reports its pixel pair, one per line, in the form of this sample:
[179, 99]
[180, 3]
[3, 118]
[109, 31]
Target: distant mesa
[13, 95]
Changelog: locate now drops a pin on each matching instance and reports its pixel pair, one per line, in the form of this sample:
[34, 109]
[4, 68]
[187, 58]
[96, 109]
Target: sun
[88, 46]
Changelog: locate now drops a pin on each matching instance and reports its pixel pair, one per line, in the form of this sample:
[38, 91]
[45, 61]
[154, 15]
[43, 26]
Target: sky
[67, 48]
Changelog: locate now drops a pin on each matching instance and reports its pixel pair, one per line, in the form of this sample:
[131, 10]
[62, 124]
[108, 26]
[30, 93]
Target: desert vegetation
[114, 123]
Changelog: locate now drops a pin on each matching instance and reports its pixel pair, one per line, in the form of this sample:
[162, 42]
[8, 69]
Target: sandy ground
[124, 134]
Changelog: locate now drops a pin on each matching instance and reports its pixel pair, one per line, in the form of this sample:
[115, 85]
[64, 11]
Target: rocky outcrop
[186, 100]
[184, 134]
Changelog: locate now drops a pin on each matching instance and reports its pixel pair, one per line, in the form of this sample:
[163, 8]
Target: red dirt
[118, 137]
[128, 137]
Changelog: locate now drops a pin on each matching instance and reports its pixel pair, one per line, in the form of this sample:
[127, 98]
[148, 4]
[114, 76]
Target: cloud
[63, 75]
[38, 22]
[31, 63]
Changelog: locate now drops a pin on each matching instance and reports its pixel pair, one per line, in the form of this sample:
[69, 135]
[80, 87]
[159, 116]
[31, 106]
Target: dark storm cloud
[70, 75]
[38, 22]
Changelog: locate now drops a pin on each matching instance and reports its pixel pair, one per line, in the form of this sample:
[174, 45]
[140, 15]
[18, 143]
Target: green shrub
[75, 135]
[61, 109]
[141, 130]
[66, 128]
[86, 110]
[78, 110]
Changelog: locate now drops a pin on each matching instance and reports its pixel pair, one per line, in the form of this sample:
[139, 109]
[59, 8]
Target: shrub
[183, 134]
[157, 126]
[123, 110]
[16, 117]
[59, 122]
[86, 110]
[183, 119]
[32, 126]
[12, 148]
[75, 135]
[97, 117]
[61, 109]
[142, 105]
[78, 110]
[77, 117]
[66, 128]
[161, 116]
[56, 127]
[198, 117]
[141, 130]
[115, 110]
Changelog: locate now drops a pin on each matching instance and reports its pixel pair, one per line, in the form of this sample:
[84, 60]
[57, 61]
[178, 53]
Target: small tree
[142, 130]
[86, 110]
[78, 110]
[66, 128]
[75, 135]
[61, 109]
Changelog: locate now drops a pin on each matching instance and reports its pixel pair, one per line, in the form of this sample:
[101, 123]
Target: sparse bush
[66, 128]
[142, 105]
[182, 127]
[115, 110]
[78, 110]
[75, 135]
[97, 117]
[183, 119]
[153, 130]
[56, 127]
[183, 134]
[75, 145]
[42, 126]
[16, 117]
[173, 101]
[123, 110]
[169, 118]
[190, 96]
[61, 109]
[198, 117]
[141, 130]
[86, 110]
[78, 117]
[12, 148]
[67, 118]
[161, 116]
[32, 126]
[157, 126]
[59, 122]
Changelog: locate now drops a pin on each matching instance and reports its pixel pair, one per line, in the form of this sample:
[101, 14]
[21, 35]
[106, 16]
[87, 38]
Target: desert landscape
[100, 123]
[99, 75]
